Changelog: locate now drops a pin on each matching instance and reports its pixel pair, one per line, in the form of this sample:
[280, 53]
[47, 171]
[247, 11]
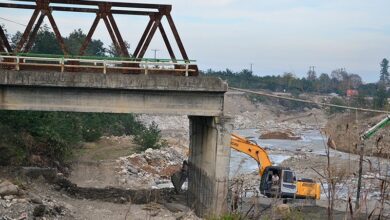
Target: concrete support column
[209, 164]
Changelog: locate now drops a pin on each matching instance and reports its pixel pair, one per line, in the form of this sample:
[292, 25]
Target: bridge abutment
[209, 164]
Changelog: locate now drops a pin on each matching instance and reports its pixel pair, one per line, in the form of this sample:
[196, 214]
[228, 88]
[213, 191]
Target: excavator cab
[284, 187]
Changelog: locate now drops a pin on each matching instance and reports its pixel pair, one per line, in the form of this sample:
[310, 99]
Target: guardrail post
[146, 68]
[104, 67]
[187, 67]
[17, 63]
[62, 62]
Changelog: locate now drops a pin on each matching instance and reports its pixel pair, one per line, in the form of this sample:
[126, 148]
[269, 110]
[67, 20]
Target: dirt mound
[280, 135]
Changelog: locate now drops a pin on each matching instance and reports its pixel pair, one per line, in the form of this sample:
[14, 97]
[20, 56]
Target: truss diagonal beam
[57, 32]
[167, 43]
[150, 36]
[177, 37]
[144, 35]
[112, 35]
[33, 34]
[4, 41]
[121, 42]
[89, 36]
[27, 30]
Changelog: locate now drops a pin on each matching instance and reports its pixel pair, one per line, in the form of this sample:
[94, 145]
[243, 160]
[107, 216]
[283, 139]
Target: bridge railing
[145, 66]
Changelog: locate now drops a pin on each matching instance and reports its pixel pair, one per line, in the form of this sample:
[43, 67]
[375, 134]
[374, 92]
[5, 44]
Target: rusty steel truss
[104, 11]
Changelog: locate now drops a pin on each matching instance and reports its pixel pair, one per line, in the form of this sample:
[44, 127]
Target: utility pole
[251, 67]
[155, 53]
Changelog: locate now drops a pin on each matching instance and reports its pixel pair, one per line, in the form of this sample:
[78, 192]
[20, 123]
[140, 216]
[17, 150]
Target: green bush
[149, 138]
[336, 101]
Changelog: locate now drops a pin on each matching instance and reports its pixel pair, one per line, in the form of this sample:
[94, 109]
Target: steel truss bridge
[19, 58]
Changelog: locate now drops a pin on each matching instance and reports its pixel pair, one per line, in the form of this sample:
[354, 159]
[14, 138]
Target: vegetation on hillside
[40, 138]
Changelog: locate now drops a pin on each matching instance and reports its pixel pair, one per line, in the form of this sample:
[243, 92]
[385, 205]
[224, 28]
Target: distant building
[352, 92]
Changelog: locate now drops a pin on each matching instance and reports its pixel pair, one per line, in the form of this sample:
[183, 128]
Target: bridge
[128, 84]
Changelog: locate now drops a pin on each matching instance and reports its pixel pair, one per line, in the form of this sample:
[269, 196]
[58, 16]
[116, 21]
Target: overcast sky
[277, 36]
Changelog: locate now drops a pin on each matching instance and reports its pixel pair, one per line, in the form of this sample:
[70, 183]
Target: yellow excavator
[287, 185]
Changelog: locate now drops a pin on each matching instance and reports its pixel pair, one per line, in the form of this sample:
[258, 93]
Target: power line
[5, 19]
[309, 102]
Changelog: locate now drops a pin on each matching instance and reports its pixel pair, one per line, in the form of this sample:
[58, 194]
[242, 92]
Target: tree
[380, 99]
[324, 83]
[384, 73]
[113, 52]
[15, 39]
[45, 42]
[354, 81]
[311, 74]
[76, 39]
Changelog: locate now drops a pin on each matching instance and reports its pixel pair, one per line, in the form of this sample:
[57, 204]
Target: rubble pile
[150, 168]
[16, 203]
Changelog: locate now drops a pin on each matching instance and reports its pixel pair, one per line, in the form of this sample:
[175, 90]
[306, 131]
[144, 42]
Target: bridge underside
[201, 98]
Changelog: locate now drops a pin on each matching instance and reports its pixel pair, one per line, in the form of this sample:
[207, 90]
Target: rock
[122, 181]
[10, 197]
[8, 188]
[3, 203]
[283, 210]
[35, 199]
[132, 169]
[22, 201]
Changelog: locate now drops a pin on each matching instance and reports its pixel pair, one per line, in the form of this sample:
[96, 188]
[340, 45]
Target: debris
[151, 167]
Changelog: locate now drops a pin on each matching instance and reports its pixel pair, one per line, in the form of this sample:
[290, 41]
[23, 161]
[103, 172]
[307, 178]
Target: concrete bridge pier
[209, 164]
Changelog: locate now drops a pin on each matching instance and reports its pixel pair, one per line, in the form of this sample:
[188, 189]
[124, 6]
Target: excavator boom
[253, 150]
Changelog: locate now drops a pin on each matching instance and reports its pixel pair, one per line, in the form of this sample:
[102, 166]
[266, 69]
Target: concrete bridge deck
[116, 93]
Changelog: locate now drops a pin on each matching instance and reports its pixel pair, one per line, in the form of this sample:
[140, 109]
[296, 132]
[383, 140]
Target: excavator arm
[253, 150]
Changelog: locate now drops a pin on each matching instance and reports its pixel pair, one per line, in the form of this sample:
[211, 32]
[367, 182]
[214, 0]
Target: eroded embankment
[344, 132]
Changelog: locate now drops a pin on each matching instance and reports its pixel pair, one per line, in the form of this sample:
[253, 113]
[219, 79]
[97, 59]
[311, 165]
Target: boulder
[35, 198]
[7, 188]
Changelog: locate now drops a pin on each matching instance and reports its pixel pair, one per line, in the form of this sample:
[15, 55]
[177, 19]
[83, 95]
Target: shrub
[149, 138]
[336, 101]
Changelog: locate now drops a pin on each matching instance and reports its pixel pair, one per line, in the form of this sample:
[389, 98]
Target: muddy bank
[344, 132]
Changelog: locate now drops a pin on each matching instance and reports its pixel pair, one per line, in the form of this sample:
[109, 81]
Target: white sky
[276, 36]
